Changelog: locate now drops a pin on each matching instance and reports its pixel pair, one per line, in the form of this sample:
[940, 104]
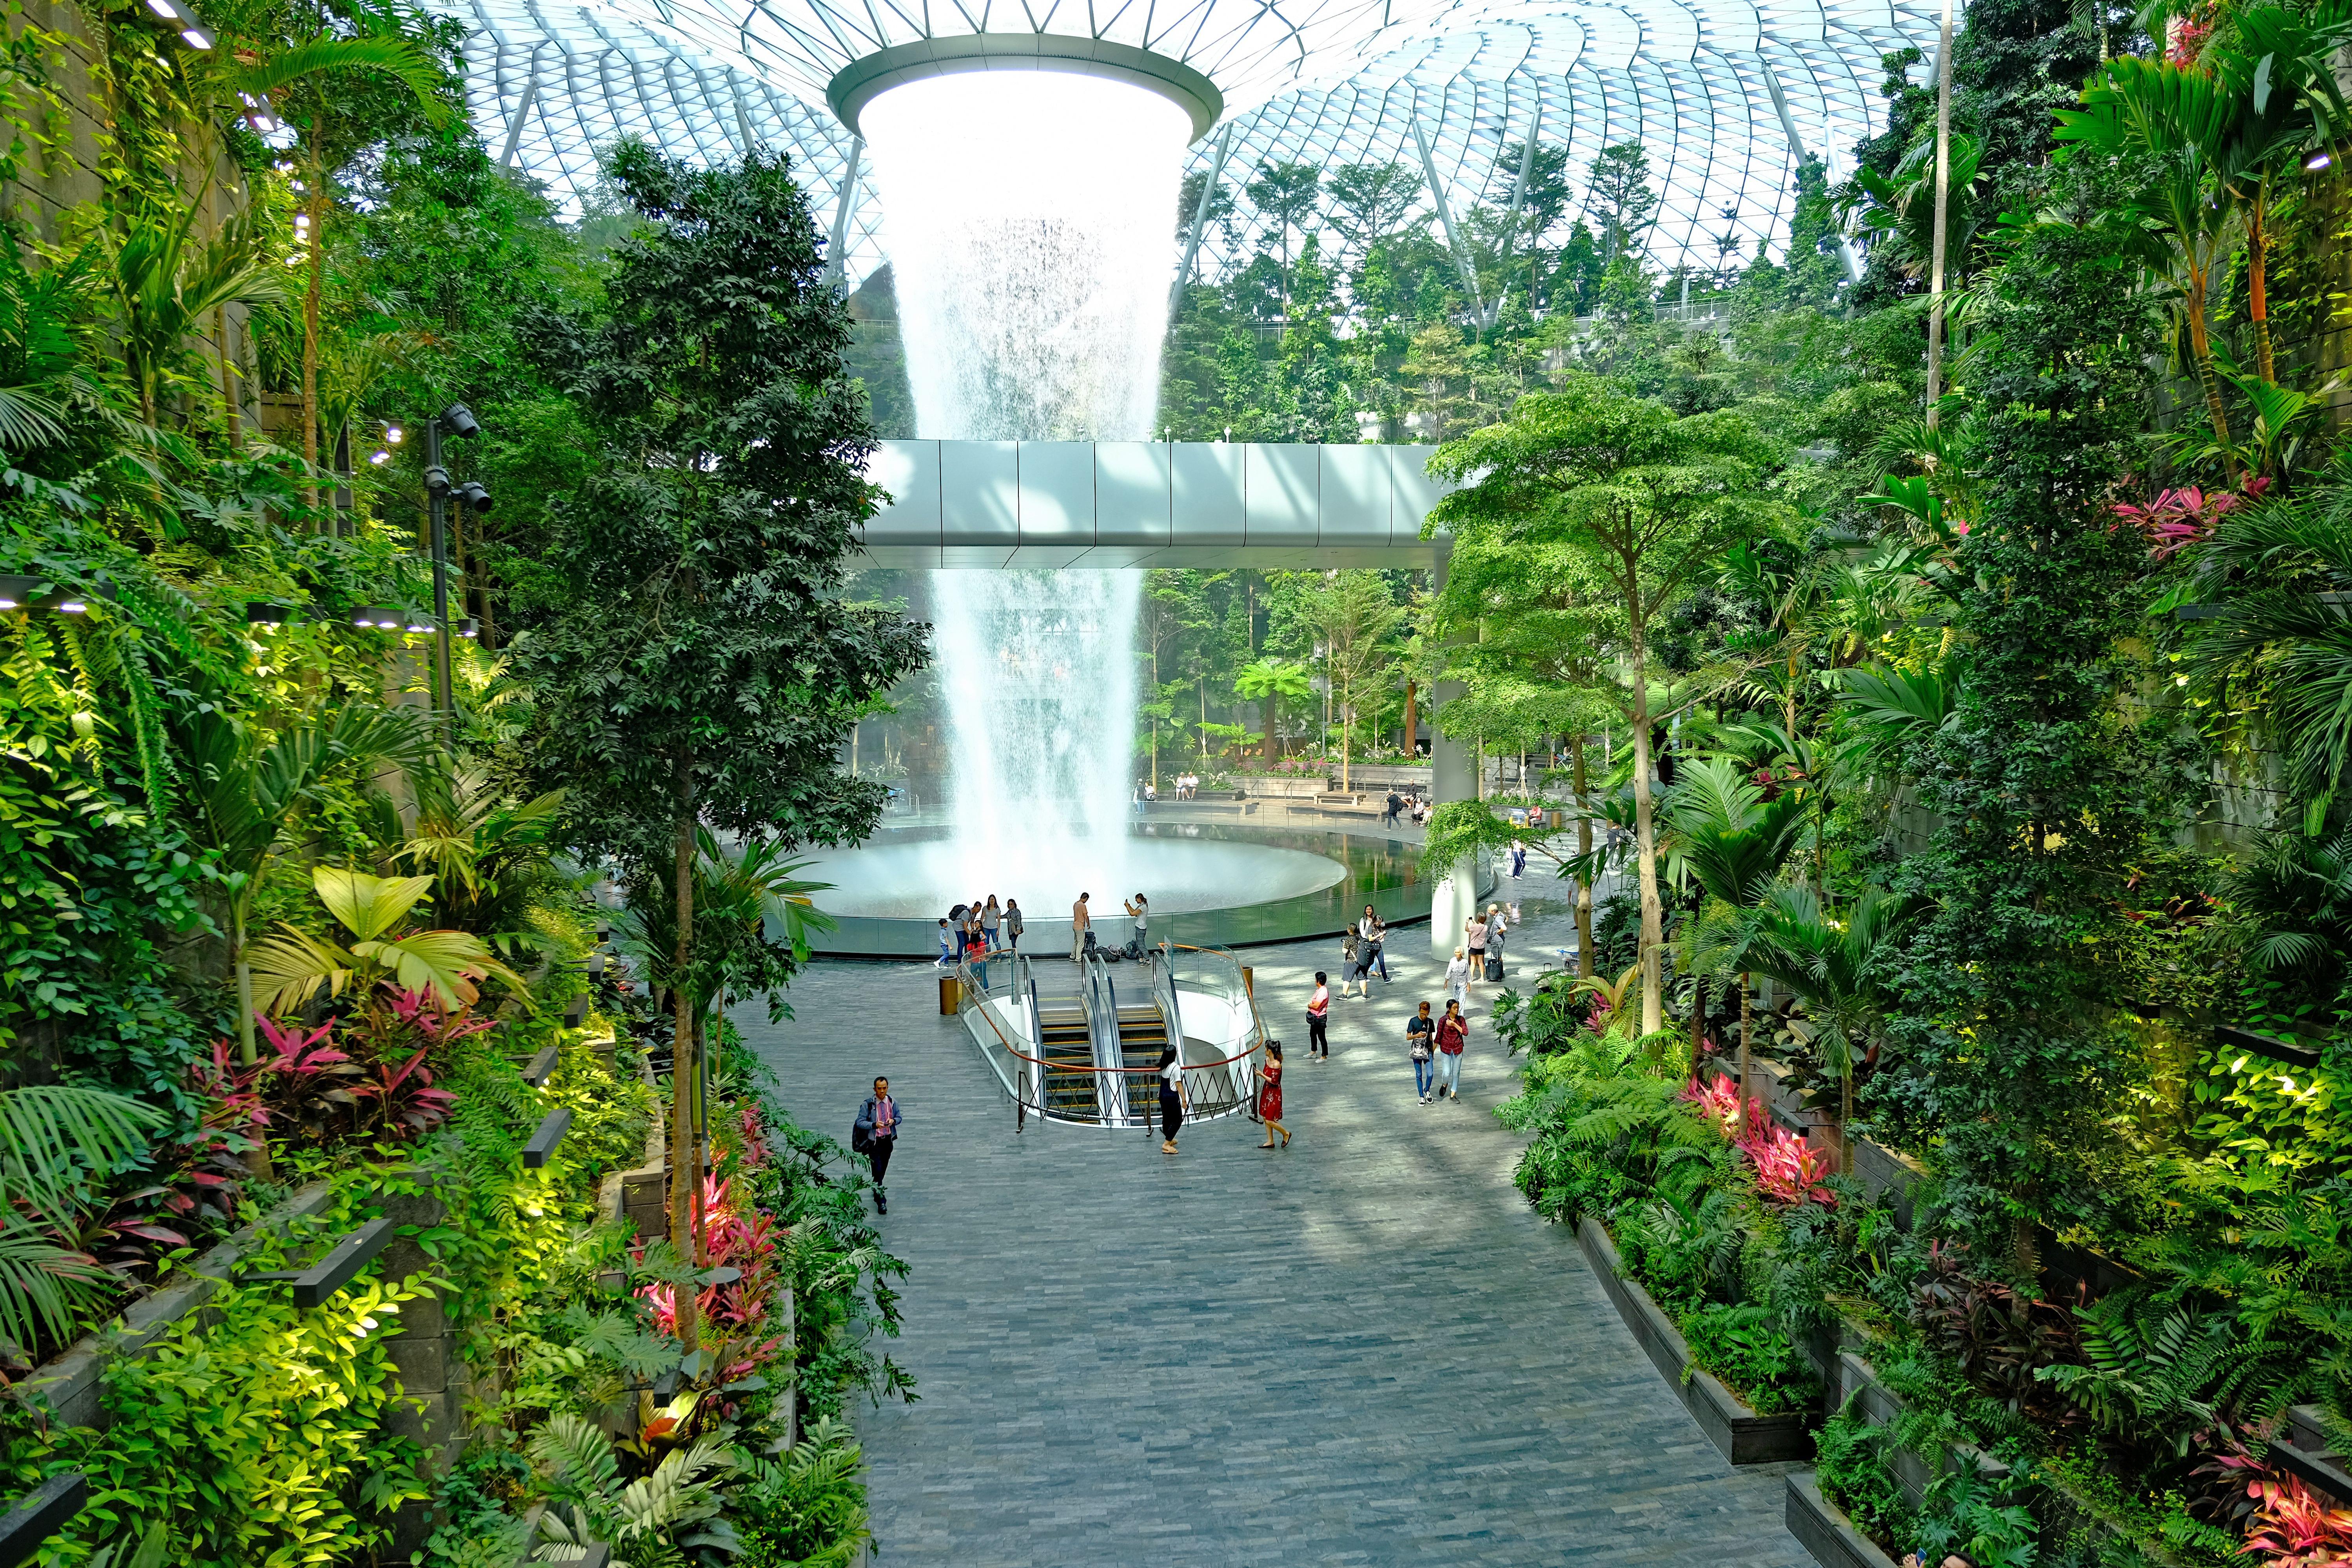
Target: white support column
[522, 114]
[1445, 220]
[1201, 217]
[1456, 895]
[836, 266]
[1797, 151]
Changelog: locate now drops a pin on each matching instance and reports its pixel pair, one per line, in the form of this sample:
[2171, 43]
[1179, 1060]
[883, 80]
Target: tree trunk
[1698, 1024]
[1845, 1115]
[2258, 305]
[1747, 1028]
[684, 1196]
[701, 1143]
[1273, 747]
[2200, 349]
[1412, 743]
[227, 375]
[1645, 827]
[312, 293]
[1583, 851]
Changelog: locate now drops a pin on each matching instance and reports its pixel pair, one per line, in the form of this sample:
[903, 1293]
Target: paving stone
[1365, 1350]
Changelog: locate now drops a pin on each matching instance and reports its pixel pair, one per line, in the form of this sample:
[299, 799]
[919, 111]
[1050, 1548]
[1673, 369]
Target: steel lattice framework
[1721, 92]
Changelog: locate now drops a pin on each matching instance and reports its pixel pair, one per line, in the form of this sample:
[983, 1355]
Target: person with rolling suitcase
[1496, 927]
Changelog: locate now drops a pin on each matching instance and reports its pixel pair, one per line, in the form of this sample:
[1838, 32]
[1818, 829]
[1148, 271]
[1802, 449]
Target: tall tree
[1368, 201]
[1286, 193]
[705, 672]
[1620, 202]
[1649, 501]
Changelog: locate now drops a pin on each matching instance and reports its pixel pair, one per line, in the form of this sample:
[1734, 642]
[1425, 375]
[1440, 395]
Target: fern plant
[674, 1510]
[2162, 1372]
[808, 1511]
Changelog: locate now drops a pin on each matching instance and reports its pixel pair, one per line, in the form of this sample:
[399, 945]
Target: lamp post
[459, 420]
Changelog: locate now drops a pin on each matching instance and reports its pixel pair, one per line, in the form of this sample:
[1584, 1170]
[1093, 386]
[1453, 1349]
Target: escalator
[1142, 1036]
[1068, 1053]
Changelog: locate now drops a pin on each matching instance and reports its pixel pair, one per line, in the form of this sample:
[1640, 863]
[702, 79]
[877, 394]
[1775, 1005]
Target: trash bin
[950, 995]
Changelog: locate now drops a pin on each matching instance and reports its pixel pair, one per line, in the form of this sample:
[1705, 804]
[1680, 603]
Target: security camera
[472, 493]
[461, 421]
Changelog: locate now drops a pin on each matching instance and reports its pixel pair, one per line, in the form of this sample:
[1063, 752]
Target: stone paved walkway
[1364, 1350]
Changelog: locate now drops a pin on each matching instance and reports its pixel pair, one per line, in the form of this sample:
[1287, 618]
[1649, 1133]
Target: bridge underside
[1100, 505]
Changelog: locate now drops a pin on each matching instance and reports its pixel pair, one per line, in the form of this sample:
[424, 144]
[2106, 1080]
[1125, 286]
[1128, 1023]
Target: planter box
[1825, 1532]
[2302, 1449]
[68, 1383]
[1740, 1434]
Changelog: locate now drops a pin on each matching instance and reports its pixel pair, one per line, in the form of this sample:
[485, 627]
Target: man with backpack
[874, 1134]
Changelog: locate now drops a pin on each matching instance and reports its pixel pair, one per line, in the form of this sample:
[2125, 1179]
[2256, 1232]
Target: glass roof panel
[1322, 82]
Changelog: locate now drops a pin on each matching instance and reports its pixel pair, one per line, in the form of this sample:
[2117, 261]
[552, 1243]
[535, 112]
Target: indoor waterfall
[1032, 269]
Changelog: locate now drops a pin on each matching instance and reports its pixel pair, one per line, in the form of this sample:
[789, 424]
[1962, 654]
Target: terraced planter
[1740, 1434]
[1825, 1532]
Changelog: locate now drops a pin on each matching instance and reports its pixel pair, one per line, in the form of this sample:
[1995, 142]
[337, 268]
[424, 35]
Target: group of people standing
[1082, 926]
[977, 929]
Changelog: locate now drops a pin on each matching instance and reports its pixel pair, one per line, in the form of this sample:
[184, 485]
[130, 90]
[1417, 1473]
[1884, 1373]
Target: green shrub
[1750, 1350]
[1852, 1463]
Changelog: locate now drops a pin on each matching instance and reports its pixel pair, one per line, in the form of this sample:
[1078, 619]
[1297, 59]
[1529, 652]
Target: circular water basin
[922, 880]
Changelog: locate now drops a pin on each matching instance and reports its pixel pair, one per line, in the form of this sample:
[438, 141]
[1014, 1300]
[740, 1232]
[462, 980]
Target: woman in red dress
[1269, 1095]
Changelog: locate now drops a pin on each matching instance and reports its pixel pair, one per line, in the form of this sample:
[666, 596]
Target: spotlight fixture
[18, 592]
[376, 617]
[266, 615]
[418, 626]
[69, 605]
[436, 479]
[2318, 162]
[472, 493]
[379, 456]
[391, 433]
[461, 421]
[469, 627]
[192, 30]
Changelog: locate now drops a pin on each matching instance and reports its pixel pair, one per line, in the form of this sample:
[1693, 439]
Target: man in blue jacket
[874, 1134]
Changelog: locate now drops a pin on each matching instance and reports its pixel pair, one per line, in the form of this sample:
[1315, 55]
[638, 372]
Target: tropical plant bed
[1738, 1433]
[1825, 1532]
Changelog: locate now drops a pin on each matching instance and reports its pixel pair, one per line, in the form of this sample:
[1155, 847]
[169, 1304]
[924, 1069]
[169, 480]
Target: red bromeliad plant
[741, 1310]
[1716, 1099]
[302, 1080]
[2177, 519]
[1788, 1169]
[2292, 1527]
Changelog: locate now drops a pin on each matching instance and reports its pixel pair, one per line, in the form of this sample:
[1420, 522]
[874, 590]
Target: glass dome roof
[1719, 91]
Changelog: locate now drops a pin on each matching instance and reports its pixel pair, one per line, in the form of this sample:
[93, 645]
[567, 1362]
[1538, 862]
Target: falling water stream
[1027, 226]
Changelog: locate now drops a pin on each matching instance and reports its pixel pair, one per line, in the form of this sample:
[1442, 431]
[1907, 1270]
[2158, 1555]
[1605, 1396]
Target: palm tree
[1734, 841]
[2279, 572]
[301, 71]
[244, 793]
[165, 287]
[49, 1135]
[1831, 961]
[1272, 680]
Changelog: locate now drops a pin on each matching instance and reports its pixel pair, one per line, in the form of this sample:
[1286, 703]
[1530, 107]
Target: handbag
[861, 1142]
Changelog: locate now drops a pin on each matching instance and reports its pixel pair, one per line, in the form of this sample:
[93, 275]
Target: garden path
[1365, 1350]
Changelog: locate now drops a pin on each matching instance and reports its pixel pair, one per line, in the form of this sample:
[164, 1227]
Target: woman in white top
[990, 916]
[1174, 1098]
[1457, 977]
